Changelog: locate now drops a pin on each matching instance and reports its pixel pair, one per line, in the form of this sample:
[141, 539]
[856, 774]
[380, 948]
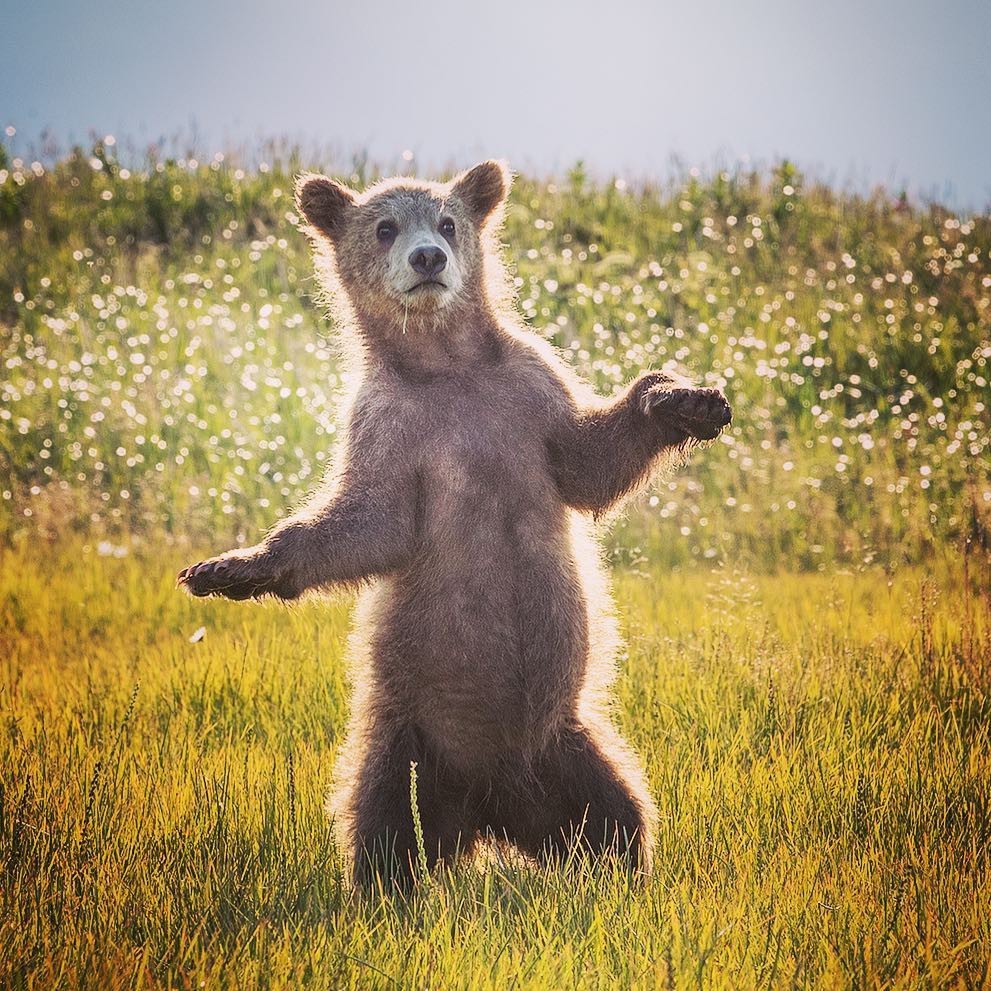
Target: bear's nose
[428, 261]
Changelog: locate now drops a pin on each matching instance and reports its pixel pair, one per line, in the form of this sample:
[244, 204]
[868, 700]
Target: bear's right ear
[324, 203]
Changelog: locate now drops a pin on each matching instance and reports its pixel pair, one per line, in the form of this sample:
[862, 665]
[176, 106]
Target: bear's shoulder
[546, 373]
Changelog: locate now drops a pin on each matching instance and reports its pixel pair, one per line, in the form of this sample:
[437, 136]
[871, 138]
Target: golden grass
[818, 745]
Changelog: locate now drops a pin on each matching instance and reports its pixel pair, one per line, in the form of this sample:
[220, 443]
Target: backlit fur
[474, 467]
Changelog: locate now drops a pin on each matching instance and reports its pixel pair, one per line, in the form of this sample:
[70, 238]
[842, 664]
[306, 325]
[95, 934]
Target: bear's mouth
[426, 284]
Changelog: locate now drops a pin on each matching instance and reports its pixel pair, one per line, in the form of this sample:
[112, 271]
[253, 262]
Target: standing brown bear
[485, 643]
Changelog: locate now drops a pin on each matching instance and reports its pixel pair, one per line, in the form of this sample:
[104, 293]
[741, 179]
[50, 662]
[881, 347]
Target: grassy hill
[166, 372]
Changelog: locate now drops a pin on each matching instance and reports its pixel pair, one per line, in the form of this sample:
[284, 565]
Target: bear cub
[464, 502]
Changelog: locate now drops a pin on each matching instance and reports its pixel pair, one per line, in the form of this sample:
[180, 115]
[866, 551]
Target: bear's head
[406, 250]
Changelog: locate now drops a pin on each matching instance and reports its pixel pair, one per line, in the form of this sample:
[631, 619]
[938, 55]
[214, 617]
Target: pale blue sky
[857, 92]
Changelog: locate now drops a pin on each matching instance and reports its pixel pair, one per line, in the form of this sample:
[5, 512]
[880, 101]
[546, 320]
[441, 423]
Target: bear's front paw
[235, 576]
[698, 413]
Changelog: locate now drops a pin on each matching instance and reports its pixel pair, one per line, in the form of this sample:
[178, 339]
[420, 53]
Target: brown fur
[485, 642]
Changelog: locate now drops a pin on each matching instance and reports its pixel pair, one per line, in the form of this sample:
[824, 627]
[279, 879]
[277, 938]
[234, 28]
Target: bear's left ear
[324, 202]
[483, 188]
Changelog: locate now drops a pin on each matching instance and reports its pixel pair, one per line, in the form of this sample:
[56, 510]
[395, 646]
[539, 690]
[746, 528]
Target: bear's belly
[486, 651]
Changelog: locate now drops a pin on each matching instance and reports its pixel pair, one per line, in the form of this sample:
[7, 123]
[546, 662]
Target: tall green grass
[819, 747]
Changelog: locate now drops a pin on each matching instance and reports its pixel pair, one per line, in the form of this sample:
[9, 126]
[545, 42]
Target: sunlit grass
[808, 667]
[818, 745]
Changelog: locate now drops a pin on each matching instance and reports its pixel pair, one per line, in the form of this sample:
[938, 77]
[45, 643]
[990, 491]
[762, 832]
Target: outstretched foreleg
[598, 456]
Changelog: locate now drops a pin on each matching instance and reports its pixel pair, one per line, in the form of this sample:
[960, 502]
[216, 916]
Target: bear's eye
[386, 231]
[447, 227]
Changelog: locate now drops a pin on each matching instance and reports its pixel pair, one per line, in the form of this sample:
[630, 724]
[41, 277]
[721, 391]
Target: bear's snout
[428, 260]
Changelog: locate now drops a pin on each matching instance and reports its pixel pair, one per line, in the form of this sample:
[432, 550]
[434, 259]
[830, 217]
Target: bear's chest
[485, 439]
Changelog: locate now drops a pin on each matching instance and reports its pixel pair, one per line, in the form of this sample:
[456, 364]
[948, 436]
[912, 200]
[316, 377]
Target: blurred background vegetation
[166, 373]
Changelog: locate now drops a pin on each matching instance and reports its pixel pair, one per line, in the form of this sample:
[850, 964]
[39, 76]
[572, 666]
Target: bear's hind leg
[590, 800]
[383, 841]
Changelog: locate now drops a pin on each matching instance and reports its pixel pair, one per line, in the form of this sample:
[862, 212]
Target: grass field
[165, 367]
[809, 658]
[819, 747]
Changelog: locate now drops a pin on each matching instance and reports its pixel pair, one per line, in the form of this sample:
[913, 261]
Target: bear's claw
[217, 577]
[699, 413]
[235, 578]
